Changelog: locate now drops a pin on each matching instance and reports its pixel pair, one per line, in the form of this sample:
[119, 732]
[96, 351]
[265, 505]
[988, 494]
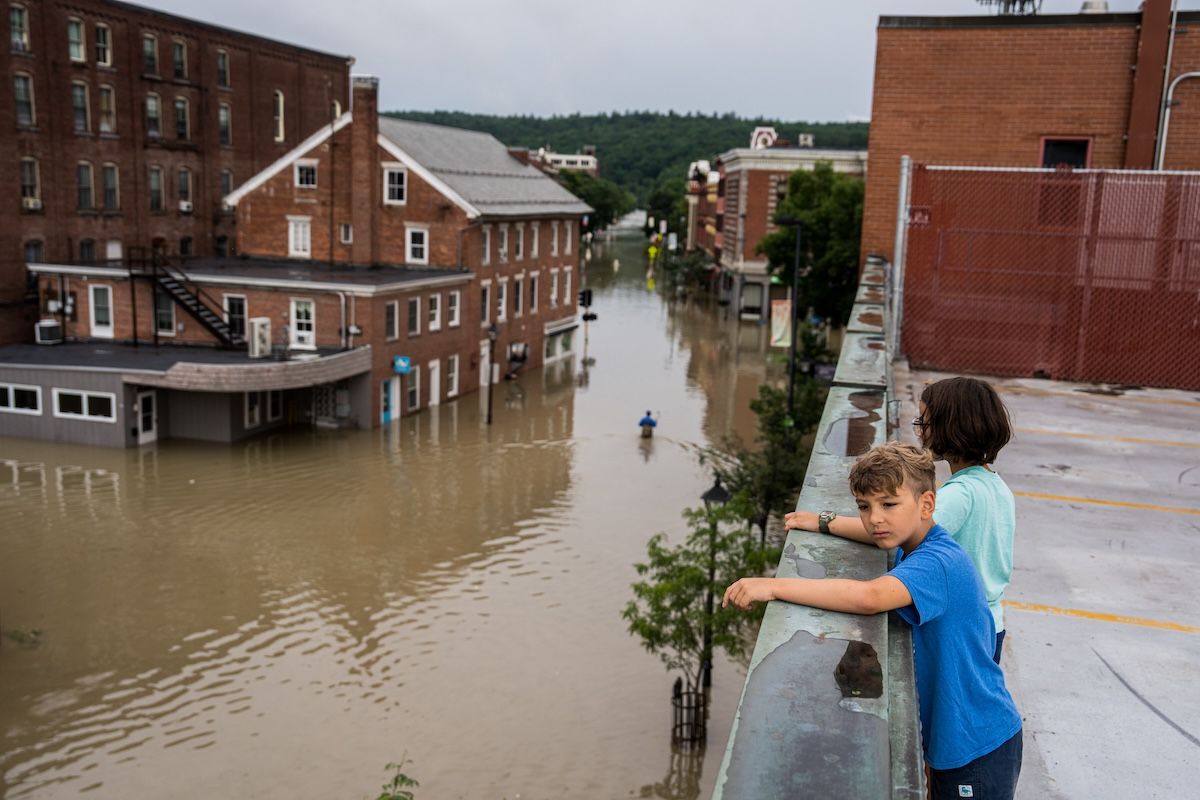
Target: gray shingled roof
[478, 167]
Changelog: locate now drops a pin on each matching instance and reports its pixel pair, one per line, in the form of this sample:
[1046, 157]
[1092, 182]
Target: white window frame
[486, 244]
[9, 389]
[535, 247]
[502, 300]
[87, 396]
[251, 421]
[519, 247]
[187, 118]
[100, 331]
[87, 107]
[111, 126]
[181, 185]
[37, 178]
[394, 168]
[305, 163]
[150, 37]
[503, 249]
[409, 230]
[228, 124]
[346, 233]
[116, 206]
[151, 171]
[452, 375]
[81, 56]
[271, 395]
[554, 238]
[413, 328]
[413, 385]
[554, 288]
[391, 333]
[22, 43]
[533, 292]
[175, 45]
[32, 99]
[103, 59]
[245, 312]
[568, 297]
[519, 296]
[223, 55]
[299, 236]
[277, 114]
[306, 340]
[485, 314]
[154, 308]
[434, 308]
[570, 228]
[454, 309]
[158, 120]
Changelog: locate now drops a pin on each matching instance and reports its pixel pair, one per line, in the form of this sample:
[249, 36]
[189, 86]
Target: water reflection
[285, 616]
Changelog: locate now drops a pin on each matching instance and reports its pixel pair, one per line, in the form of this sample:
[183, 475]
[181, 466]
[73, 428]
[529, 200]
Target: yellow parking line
[1096, 615]
[1128, 439]
[1033, 392]
[1114, 503]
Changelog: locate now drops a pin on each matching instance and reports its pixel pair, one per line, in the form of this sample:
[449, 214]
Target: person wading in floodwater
[648, 424]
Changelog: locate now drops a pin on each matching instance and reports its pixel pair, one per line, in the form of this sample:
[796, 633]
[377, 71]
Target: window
[34, 252]
[87, 251]
[253, 415]
[164, 312]
[182, 119]
[306, 174]
[112, 251]
[23, 97]
[533, 292]
[223, 69]
[486, 244]
[554, 288]
[111, 185]
[554, 238]
[414, 316]
[18, 23]
[452, 375]
[453, 303]
[520, 247]
[391, 320]
[149, 54]
[417, 245]
[18, 399]
[503, 244]
[153, 116]
[80, 113]
[31, 183]
[100, 310]
[274, 406]
[304, 324]
[395, 185]
[414, 389]
[75, 43]
[1065, 153]
[224, 125]
[179, 59]
[226, 182]
[156, 188]
[108, 109]
[568, 298]
[570, 235]
[221, 247]
[183, 184]
[346, 233]
[185, 246]
[235, 313]
[518, 295]
[300, 237]
[103, 46]
[86, 200]
[502, 300]
[91, 406]
[435, 312]
[485, 302]
[535, 231]
[277, 112]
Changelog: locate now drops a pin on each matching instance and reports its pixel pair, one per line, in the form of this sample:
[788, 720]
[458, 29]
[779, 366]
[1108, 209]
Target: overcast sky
[799, 60]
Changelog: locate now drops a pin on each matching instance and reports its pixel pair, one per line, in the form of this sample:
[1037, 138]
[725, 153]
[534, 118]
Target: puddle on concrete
[858, 674]
[853, 436]
[1112, 390]
[804, 567]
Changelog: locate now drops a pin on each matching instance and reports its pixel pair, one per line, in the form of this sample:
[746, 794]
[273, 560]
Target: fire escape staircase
[172, 283]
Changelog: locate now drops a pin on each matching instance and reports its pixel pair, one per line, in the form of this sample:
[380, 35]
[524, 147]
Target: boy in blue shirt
[970, 728]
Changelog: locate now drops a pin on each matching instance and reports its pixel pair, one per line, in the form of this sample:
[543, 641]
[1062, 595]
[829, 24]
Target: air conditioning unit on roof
[48, 331]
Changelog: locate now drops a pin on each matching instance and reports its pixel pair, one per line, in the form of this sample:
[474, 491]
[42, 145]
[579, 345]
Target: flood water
[283, 617]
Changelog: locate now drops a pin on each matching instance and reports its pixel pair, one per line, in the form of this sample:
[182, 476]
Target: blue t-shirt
[966, 710]
[648, 422]
[976, 507]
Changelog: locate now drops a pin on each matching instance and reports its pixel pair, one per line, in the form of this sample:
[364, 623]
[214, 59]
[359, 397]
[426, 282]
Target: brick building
[125, 127]
[1028, 91]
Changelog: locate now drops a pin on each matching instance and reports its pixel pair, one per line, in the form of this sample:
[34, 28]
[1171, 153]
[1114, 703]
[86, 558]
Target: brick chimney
[520, 154]
[366, 177]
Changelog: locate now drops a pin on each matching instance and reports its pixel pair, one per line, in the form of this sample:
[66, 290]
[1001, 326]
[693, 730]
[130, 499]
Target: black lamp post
[717, 496]
[793, 222]
[492, 335]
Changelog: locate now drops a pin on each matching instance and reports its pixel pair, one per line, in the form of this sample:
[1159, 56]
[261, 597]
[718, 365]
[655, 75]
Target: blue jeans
[989, 777]
[999, 646]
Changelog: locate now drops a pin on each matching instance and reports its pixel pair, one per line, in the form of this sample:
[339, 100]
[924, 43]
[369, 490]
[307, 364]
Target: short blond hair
[889, 466]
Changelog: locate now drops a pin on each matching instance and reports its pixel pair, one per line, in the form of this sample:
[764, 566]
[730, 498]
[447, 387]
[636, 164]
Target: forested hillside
[640, 149]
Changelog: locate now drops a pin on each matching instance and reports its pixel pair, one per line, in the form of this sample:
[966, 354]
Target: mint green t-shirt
[976, 506]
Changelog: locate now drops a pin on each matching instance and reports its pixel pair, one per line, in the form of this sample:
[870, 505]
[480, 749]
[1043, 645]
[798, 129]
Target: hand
[803, 520]
[745, 592]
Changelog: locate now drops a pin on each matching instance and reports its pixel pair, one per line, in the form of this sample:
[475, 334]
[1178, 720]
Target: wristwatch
[824, 518]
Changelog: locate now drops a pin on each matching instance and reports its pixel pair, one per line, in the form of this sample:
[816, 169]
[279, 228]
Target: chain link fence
[1083, 275]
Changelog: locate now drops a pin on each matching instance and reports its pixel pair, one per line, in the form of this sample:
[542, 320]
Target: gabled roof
[288, 158]
[478, 170]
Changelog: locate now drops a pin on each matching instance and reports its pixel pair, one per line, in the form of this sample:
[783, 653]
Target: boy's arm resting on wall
[848, 526]
[833, 594]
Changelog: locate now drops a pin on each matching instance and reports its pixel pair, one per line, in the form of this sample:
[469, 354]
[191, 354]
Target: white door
[485, 364]
[435, 383]
[100, 308]
[147, 415]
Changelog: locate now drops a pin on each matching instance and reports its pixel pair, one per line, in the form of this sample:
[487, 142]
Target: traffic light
[585, 298]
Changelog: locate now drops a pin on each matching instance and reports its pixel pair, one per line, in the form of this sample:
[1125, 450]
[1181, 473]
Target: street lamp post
[492, 335]
[793, 222]
[717, 496]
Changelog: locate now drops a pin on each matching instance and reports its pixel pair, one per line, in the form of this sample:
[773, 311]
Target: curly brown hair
[891, 465]
[965, 420]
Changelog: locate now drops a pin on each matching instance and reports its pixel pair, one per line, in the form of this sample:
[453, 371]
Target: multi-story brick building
[384, 265]
[125, 126]
[1029, 91]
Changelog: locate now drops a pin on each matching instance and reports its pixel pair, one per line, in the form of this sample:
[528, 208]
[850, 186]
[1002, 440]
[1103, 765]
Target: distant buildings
[584, 161]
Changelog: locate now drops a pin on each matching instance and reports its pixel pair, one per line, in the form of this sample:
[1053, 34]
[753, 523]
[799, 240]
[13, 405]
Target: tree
[688, 271]
[669, 611]
[608, 201]
[829, 206]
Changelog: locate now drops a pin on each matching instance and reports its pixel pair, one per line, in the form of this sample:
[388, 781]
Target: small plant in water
[398, 788]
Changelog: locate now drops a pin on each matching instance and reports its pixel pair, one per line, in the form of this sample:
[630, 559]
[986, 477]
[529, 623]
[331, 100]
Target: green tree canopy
[608, 200]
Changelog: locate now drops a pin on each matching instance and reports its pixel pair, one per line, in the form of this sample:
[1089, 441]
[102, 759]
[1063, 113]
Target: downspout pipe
[1166, 123]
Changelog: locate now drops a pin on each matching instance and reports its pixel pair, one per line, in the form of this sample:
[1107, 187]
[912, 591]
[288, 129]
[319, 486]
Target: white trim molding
[287, 159]
[437, 183]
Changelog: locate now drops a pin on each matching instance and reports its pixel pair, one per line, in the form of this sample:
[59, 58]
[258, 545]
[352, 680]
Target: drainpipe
[342, 298]
[1166, 123]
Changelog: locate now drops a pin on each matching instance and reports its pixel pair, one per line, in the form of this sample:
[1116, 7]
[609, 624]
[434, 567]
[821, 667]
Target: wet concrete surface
[1103, 617]
[286, 616]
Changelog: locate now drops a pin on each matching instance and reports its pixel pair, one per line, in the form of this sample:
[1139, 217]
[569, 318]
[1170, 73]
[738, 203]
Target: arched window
[153, 116]
[277, 107]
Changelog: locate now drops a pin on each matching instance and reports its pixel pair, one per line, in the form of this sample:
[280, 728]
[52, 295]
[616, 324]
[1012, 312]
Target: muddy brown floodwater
[283, 617]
